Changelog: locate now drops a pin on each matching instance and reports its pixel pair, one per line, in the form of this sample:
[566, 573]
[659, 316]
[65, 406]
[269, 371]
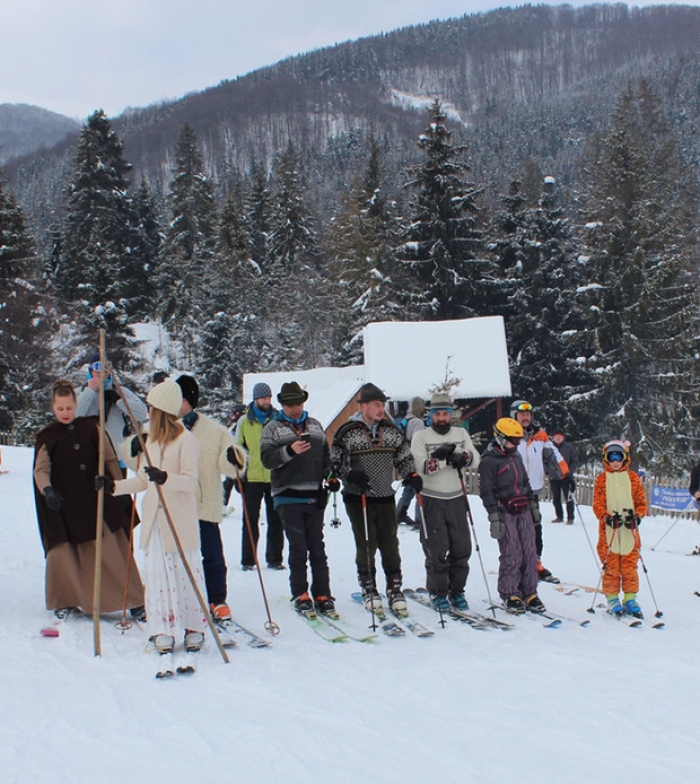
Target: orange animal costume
[619, 501]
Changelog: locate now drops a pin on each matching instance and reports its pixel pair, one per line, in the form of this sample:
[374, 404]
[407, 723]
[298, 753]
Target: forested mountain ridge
[25, 129]
[537, 163]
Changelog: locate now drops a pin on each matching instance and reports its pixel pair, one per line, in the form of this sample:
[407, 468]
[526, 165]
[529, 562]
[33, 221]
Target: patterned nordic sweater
[377, 452]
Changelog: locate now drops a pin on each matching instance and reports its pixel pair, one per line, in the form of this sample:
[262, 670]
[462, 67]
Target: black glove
[414, 481]
[232, 455]
[443, 451]
[111, 396]
[632, 520]
[535, 512]
[156, 475]
[498, 527]
[135, 446]
[613, 520]
[461, 460]
[104, 482]
[359, 478]
[53, 498]
[332, 484]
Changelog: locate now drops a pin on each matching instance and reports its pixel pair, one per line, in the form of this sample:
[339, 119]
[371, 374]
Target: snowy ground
[599, 704]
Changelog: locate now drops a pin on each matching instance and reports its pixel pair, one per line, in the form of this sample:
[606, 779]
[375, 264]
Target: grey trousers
[517, 572]
[448, 545]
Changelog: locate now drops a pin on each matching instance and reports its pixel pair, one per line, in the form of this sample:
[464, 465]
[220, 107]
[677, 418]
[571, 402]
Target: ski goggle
[615, 457]
[523, 407]
[96, 366]
[515, 440]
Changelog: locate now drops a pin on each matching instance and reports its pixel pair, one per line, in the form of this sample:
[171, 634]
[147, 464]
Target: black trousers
[303, 525]
[253, 495]
[213, 562]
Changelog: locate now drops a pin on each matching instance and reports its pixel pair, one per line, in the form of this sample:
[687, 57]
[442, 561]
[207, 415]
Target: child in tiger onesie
[619, 503]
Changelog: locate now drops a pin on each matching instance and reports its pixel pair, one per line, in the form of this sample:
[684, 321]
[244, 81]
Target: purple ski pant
[517, 572]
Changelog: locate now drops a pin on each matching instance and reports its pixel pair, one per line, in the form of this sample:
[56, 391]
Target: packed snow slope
[606, 703]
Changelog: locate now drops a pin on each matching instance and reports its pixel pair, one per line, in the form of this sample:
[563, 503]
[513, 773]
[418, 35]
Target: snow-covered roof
[329, 388]
[411, 358]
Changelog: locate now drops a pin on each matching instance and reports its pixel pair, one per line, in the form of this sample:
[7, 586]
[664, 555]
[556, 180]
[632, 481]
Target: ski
[167, 669]
[188, 664]
[325, 630]
[53, 629]
[334, 620]
[236, 633]
[421, 596]
[412, 625]
[389, 627]
[554, 622]
[476, 619]
[629, 620]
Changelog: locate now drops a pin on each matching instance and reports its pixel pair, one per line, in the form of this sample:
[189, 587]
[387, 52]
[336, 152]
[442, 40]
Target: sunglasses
[515, 440]
[524, 407]
[614, 457]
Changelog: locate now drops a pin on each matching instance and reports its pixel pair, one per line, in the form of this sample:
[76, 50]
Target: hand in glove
[135, 446]
[461, 460]
[498, 527]
[156, 475]
[535, 512]
[443, 451]
[332, 484]
[235, 458]
[104, 482]
[359, 478]
[414, 481]
[53, 498]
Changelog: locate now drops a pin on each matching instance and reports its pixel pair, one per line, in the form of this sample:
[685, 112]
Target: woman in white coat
[172, 607]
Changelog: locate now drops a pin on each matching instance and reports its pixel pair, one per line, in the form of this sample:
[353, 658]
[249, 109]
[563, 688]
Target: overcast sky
[75, 56]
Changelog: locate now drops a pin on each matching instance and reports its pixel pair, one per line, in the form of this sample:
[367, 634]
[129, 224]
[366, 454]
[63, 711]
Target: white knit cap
[166, 396]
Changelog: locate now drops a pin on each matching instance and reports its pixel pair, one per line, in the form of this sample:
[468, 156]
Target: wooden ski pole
[99, 523]
[171, 525]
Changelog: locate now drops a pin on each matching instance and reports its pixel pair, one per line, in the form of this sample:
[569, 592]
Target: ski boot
[326, 606]
[397, 601]
[545, 575]
[535, 604]
[614, 606]
[303, 604]
[632, 608]
[459, 602]
[439, 602]
[514, 605]
[220, 612]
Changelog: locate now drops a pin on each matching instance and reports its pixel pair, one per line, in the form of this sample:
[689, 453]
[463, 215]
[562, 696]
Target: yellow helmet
[508, 429]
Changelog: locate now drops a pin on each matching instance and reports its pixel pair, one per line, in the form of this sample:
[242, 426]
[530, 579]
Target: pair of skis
[231, 633]
[474, 619]
[331, 628]
[397, 627]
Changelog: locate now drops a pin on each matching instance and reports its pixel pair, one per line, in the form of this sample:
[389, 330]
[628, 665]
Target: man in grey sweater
[441, 453]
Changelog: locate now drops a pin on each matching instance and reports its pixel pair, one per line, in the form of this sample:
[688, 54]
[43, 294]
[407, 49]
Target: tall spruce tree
[642, 290]
[25, 322]
[361, 263]
[98, 266]
[536, 292]
[441, 244]
[188, 253]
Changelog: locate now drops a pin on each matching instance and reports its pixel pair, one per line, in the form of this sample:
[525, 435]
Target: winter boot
[303, 604]
[557, 519]
[220, 612]
[165, 643]
[440, 602]
[402, 516]
[193, 641]
[535, 604]
[631, 606]
[515, 605]
[614, 606]
[326, 606]
[138, 614]
[459, 602]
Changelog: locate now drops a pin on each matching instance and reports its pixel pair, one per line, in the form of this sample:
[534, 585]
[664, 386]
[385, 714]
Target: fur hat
[369, 392]
[291, 394]
[261, 390]
[190, 389]
[166, 396]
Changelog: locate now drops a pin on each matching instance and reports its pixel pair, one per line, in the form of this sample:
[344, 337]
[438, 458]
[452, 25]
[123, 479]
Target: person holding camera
[294, 447]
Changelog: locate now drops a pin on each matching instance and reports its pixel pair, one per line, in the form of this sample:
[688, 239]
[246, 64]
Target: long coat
[180, 460]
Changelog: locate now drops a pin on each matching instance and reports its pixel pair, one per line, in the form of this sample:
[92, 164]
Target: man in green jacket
[256, 484]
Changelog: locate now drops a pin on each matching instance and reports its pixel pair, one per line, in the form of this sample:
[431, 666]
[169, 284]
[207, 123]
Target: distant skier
[619, 503]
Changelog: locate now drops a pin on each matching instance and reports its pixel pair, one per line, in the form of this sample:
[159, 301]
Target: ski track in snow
[569, 705]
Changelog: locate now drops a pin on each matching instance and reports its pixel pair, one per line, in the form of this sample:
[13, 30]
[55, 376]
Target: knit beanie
[190, 389]
[166, 396]
[261, 390]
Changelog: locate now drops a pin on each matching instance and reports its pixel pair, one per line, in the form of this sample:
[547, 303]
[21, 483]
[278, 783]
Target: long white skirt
[171, 603]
